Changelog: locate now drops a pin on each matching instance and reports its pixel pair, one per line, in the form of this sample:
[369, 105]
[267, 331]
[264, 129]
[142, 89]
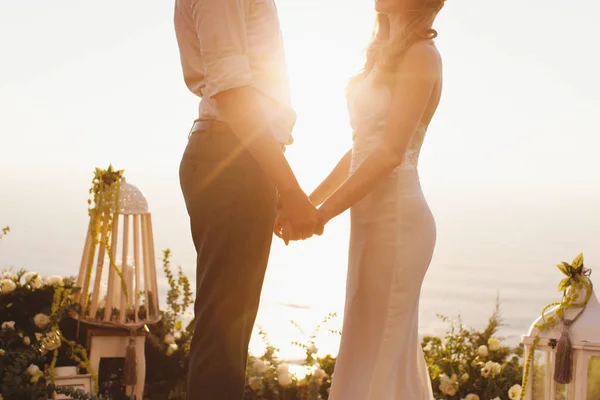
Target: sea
[495, 246]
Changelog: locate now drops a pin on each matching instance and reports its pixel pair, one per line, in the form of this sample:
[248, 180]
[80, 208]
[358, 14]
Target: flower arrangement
[31, 341]
[472, 365]
[464, 364]
[168, 344]
[270, 378]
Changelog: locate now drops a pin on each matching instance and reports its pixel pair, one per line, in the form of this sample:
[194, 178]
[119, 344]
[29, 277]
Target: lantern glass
[541, 371]
[561, 391]
[593, 378]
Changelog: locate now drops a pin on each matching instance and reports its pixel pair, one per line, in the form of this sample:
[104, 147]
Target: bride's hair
[386, 52]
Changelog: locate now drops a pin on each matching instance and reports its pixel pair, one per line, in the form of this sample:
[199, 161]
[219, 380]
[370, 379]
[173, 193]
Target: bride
[393, 232]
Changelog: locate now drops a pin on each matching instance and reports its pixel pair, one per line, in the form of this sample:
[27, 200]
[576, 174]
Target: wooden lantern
[117, 275]
[577, 331]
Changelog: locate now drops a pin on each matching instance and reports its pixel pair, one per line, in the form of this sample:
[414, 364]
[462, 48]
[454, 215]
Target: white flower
[283, 375]
[313, 349]
[319, 374]
[492, 367]
[427, 347]
[493, 344]
[33, 369]
[496, 368]
[448, 385]
[8, 325]
[9, 275]
[260, 366]
[485, 371]
[255, 383]
[55, 280]
[472, 396]
[177, 335]
[26, 341]
[41, 320]
[464, 377]
[514, 392]
[482, 350]
[285, 379]
[34, 280]
[169, 339]
[282, 368]
[172, 348]
[7, 286]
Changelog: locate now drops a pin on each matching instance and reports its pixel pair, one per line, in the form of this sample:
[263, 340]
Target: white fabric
[225, 44]
[391, 244]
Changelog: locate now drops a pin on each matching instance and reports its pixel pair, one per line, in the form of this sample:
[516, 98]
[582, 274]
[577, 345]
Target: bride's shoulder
[422, 57]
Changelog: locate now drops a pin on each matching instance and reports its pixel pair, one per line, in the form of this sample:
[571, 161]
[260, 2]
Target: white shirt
[226, 44]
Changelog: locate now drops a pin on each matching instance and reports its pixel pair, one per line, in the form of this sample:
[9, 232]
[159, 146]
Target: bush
[464, 362]
[32, 310]
[468, 362]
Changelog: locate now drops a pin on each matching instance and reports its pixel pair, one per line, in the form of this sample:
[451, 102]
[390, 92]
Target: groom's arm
[221, 29]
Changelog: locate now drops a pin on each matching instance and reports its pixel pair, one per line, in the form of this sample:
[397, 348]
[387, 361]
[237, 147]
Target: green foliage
[269, 378]
[179, 296]
[4, 231]
[30, 311]
[458, 355]
[467, 361]
[73, 393]
[168, 344]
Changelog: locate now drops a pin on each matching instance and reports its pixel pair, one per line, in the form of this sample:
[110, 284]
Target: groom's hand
[280, 225]
[298, 216]
[284, 230]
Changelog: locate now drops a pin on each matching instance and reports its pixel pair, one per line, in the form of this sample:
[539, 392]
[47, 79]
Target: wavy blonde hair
[386, 52]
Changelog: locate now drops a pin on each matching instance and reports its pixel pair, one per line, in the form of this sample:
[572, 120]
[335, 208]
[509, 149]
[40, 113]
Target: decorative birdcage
[117, 277]
[562, 347]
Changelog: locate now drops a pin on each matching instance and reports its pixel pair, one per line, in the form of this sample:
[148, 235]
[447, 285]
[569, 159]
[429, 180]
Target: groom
[234, 177]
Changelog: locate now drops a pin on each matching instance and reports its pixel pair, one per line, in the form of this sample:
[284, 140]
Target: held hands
[297, 218]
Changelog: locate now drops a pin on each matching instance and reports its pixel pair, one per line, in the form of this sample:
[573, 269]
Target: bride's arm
[333, 181]
[415, 80]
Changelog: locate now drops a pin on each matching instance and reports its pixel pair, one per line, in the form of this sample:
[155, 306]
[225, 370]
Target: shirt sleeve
[221, 29]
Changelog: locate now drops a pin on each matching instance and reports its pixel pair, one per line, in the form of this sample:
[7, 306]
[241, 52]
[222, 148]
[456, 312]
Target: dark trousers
[232, 205]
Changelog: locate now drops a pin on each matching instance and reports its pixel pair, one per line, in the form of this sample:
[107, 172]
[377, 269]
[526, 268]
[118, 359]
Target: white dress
[391, 244]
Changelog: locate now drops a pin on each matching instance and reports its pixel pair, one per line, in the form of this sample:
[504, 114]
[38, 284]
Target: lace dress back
[368, 106]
